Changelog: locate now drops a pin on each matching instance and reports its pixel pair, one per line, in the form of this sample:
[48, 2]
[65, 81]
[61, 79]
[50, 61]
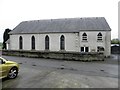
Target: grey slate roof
[61, 25]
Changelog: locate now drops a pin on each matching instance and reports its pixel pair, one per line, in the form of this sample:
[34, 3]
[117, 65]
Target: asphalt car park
[50, 73]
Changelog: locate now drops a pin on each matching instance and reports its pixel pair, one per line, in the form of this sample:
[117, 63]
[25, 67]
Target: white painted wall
[73, 41]
[14, 40]
[92, 42]
[108, 44]
[40, 41]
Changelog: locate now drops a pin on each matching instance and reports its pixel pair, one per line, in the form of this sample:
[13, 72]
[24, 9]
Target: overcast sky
[12, 12]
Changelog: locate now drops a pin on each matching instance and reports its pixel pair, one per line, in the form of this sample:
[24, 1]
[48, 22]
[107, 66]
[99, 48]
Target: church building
[90, 34]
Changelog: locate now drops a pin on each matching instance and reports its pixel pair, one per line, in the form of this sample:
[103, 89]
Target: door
[84, 49]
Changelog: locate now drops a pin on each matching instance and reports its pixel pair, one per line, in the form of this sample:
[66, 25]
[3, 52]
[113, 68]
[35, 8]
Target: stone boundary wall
[94, 56]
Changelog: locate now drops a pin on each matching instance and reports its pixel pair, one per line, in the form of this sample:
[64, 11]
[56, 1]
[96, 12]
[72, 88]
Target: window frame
[47, 42]
[62, 42]
[99, 37]
[84, 37]
[20, 42]
[33, 42]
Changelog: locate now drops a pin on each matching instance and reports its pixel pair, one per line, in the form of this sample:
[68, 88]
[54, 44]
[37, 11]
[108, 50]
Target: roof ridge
[63, 19]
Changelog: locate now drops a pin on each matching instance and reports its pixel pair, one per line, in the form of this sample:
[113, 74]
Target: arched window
[84, 37]
[33, 42]
[99, 37]
[47, 42]
[20, 42]
[62, 43]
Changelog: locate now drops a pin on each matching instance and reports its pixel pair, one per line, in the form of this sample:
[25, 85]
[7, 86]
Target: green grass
[0, 45]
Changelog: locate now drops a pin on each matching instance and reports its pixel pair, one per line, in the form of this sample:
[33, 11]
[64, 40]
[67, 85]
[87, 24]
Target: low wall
[94, 56]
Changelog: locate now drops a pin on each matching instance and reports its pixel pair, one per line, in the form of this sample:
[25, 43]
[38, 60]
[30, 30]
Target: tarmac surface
[51, 73]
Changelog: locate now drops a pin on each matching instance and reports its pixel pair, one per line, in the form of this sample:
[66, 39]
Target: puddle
[102, 70]
[20, 63]
[34, 65]
[67, 68]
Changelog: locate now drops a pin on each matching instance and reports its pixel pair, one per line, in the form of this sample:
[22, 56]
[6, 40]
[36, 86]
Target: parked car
[8, 68]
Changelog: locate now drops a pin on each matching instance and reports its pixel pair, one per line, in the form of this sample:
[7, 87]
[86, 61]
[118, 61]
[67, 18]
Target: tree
[5, 37]
[115, 41]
